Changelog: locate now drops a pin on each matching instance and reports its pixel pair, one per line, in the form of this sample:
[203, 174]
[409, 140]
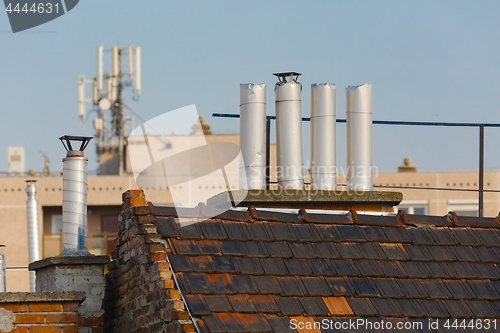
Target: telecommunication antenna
[107, 101]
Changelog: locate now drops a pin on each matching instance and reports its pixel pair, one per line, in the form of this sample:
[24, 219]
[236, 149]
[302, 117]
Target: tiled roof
[261, 271]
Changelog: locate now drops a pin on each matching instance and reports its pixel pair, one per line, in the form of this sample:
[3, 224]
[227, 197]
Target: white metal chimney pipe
[359, 137]
[323, 132]
[289, 132]
[33, 227]
[253, 136]
[3, 286]
[74, 219]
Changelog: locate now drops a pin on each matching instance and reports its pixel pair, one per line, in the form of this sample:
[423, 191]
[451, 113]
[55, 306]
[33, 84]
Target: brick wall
[40, 312]
[141, 295]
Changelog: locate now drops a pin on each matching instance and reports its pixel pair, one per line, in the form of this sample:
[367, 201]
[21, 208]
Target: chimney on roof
[74, 219]
[33, 227]
[253, 136]
[359, 137]
[3, 287]
[289, 131]
[323, 125]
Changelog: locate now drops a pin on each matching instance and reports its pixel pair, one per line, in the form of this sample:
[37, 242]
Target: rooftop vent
[33, 227]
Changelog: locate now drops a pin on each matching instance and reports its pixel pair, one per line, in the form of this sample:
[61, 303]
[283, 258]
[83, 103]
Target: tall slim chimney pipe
[253, 136]
[33, 227]
[323, 132]
[3, 287]
[289, 131]
[74, 219]
[359, 137]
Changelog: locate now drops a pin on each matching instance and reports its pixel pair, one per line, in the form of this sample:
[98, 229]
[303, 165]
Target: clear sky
[427, 61]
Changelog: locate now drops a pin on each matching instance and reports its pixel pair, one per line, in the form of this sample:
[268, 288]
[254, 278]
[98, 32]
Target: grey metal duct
[33, 227]
[289, 131]
[253, 136]
[74, 219]
[322, 136]
[359, 137]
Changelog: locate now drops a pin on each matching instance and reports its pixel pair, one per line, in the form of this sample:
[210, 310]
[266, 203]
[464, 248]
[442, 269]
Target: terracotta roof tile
[239, 274]
[337, 306]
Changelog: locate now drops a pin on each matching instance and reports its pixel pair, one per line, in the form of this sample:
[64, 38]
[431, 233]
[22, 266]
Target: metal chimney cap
[294, 76]
[66, 141]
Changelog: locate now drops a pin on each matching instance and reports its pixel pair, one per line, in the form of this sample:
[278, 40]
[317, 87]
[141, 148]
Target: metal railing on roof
[481, 127]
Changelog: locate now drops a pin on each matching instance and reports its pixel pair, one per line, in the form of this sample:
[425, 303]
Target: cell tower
[107, 100]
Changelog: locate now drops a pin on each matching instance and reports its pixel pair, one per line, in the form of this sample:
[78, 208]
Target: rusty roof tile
[319, 267]
[325, 250]
[289, 306]
[337, 306]
[465, 236]
[314, 306]
[440, 270]
[433, 308]
[486, 270]
[412, 288]
[361, 306]
[364, 287]
[457, 308]
[197, 304]
[343, 267]
[202, 263]
[167, 227]
[396, 235]
[340, 286]
[306, 233]
[349, 250]
[179, 263]
[442, 253]
[241, 303]
[488, 237]
[384, 306]
[375, 235]
[229, 322]
[231, 247]
[378, 220]
[279, 323]
[281, 231]
[368, 267]
[255, 249]
[435, 288]
[292, 286]
[213, 229]
[323, 218]
[408, 307]
[304, 324]
[429, 221]
[391, 269]
[415, 269]
[236, 230]
[225, 264]
[418, 252]
[232, 215]
[395, 251]
[264, 303]
[351, 233]
[190, 231]
[464, 253]
[183, 246]
[278, 249]
[260, 231]
[209, 247]
[273, 216]
[419, 236]
[244, 284]
[267, 284]
[473, 221]
[220, 283]
[388, 288]
[194, 283]
[329, 233]
[482, 309]
[486, 254]
[218, 303]
[496, 285]
[441, 236]
[372, 251]
[315, 286]
[212, 323]
[459, 289]
[298, 266]
[463, 270]
[302, 250]
[250, 266]
[483, 289]
[274, 266]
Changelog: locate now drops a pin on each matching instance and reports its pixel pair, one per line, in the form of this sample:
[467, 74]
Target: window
[464, 208]
[56, 224]
[414, 207]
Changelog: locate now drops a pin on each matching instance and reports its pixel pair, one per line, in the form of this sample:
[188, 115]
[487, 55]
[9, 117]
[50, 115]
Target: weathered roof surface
[258, 271]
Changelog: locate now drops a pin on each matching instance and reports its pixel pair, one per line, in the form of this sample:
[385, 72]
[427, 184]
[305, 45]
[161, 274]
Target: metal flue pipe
[3, 287]
[289, 131]
[253, 136]
[359, 137]
[74, 219]
[33, 227]
[323, 132]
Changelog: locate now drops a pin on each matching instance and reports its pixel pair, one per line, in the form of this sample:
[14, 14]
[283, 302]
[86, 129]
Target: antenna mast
[110, 122]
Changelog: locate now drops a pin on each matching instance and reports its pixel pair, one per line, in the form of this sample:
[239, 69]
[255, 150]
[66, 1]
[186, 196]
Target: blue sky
[427, 61]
